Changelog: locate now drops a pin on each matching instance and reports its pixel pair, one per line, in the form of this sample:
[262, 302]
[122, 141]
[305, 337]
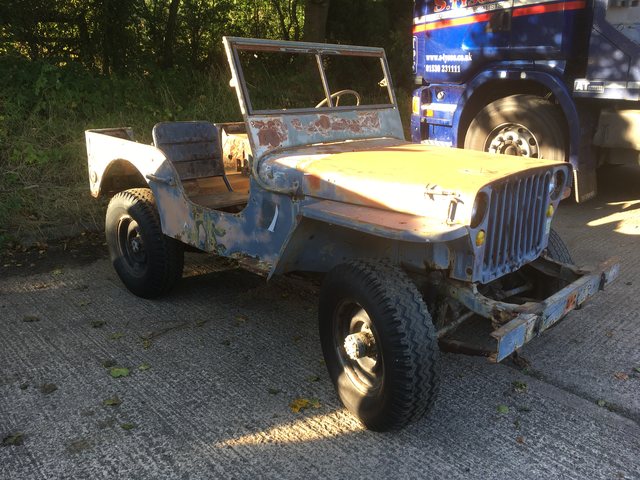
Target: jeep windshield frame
[274, 130]
[319, 51]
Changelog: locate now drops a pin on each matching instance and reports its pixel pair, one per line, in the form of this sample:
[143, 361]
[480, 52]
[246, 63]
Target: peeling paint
[271, 133]
[326, 125]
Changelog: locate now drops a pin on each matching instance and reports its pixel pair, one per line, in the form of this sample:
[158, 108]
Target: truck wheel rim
[367, 372]
[512, 139]
[130, 245]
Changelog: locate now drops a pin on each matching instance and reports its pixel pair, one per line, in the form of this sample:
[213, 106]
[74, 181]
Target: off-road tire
[541, 118]
[155, 267]
[557, 249]
[405, 337]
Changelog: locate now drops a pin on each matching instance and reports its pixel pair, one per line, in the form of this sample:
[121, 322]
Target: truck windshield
[285, 80]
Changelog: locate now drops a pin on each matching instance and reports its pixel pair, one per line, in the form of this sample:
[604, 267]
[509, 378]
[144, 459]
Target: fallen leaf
[84, 303]
[313, 378]
[24, 386]
[637, 369]
[30, 318]
[116, 336]
[144, 366]
[621, 376]
[112, 402]
[273, 391]
[609, 333]
[13, 439]
[146, 344]
[200, 323]
[48, 388]
[300, 404]
[98, 323]
[601, 403]
[520, 439]
[117, 372]
[127, 426]
[503, 409]
[78, 446]
[57, 271]
[519, 387]
[240, 319]
[109, 363]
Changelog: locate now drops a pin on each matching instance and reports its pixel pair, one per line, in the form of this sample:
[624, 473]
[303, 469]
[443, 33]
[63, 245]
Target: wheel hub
[136, 246]
[513, 139]
[360, 345]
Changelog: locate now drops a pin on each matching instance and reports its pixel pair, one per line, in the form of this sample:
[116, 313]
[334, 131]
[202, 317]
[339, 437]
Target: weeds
[44, 111]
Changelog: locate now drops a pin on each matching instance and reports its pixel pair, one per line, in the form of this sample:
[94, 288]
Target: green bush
[44, 111]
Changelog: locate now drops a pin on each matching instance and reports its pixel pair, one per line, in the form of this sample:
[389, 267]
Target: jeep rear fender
[117, 163]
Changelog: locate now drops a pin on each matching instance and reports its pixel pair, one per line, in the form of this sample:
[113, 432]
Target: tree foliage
[120, 35]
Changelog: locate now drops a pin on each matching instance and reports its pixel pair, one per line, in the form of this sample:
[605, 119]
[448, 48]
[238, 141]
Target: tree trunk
[170, 35]
[315, 20]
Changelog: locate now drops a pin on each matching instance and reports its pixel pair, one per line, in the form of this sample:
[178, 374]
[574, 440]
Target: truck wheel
[520, 125]
[379, 343]
[557, 249]
[148, 262]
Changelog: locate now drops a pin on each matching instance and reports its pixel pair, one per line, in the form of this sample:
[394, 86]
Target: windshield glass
[286, 80]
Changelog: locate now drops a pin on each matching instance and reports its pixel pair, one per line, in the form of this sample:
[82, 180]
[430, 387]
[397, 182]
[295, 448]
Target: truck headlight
[479, 210]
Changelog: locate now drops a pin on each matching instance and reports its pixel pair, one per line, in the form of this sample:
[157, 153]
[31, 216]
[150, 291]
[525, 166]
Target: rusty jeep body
[423, 247]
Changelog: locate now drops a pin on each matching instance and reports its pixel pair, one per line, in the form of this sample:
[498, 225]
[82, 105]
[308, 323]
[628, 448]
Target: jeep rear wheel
[148, 262]
[379, 344]
[519, 125]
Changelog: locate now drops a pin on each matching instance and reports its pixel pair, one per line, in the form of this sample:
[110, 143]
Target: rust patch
[271, 133]
[571, 302]
[314, 183]
[325, 124]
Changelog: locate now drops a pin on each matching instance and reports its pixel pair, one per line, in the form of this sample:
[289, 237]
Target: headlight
[480, 207]
[557, 184]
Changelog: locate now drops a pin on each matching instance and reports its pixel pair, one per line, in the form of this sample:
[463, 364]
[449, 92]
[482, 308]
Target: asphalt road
[214, 368]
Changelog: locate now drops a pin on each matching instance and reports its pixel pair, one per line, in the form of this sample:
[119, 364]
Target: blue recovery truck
[558, 80]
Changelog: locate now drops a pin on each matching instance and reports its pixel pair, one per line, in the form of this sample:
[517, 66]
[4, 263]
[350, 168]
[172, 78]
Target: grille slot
[515, 228]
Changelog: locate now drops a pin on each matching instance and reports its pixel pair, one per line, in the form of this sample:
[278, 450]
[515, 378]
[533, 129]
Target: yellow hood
[400, 176]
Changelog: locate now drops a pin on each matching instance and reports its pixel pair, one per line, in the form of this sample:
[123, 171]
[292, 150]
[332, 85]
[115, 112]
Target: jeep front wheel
[148, 262]
[379, 343]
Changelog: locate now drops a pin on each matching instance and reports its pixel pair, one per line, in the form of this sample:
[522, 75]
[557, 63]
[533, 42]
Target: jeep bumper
[517, 324]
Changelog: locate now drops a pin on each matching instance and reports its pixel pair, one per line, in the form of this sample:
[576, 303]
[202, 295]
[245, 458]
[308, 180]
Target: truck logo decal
[451, 13]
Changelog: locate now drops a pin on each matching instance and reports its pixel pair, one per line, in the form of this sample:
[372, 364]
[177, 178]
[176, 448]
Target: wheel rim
[513, 139]
[131, 246]
[352, 325]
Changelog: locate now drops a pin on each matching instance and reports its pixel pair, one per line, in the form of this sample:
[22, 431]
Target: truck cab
[543, 79]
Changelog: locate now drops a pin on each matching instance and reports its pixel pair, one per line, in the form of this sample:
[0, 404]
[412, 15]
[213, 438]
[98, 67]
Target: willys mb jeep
[422, 247]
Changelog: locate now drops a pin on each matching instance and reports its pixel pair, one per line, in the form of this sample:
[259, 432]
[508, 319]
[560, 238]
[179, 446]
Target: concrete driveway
[213, 369]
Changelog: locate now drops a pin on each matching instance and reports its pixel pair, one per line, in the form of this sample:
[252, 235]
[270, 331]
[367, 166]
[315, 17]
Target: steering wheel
[337, 95]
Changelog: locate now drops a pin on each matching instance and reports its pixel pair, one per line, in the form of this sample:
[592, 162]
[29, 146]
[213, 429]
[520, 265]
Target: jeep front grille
[515, 228]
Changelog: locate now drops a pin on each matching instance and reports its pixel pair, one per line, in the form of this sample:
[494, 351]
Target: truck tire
[379, 343]
[148, 262]
[520, 125]
[557, 249]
